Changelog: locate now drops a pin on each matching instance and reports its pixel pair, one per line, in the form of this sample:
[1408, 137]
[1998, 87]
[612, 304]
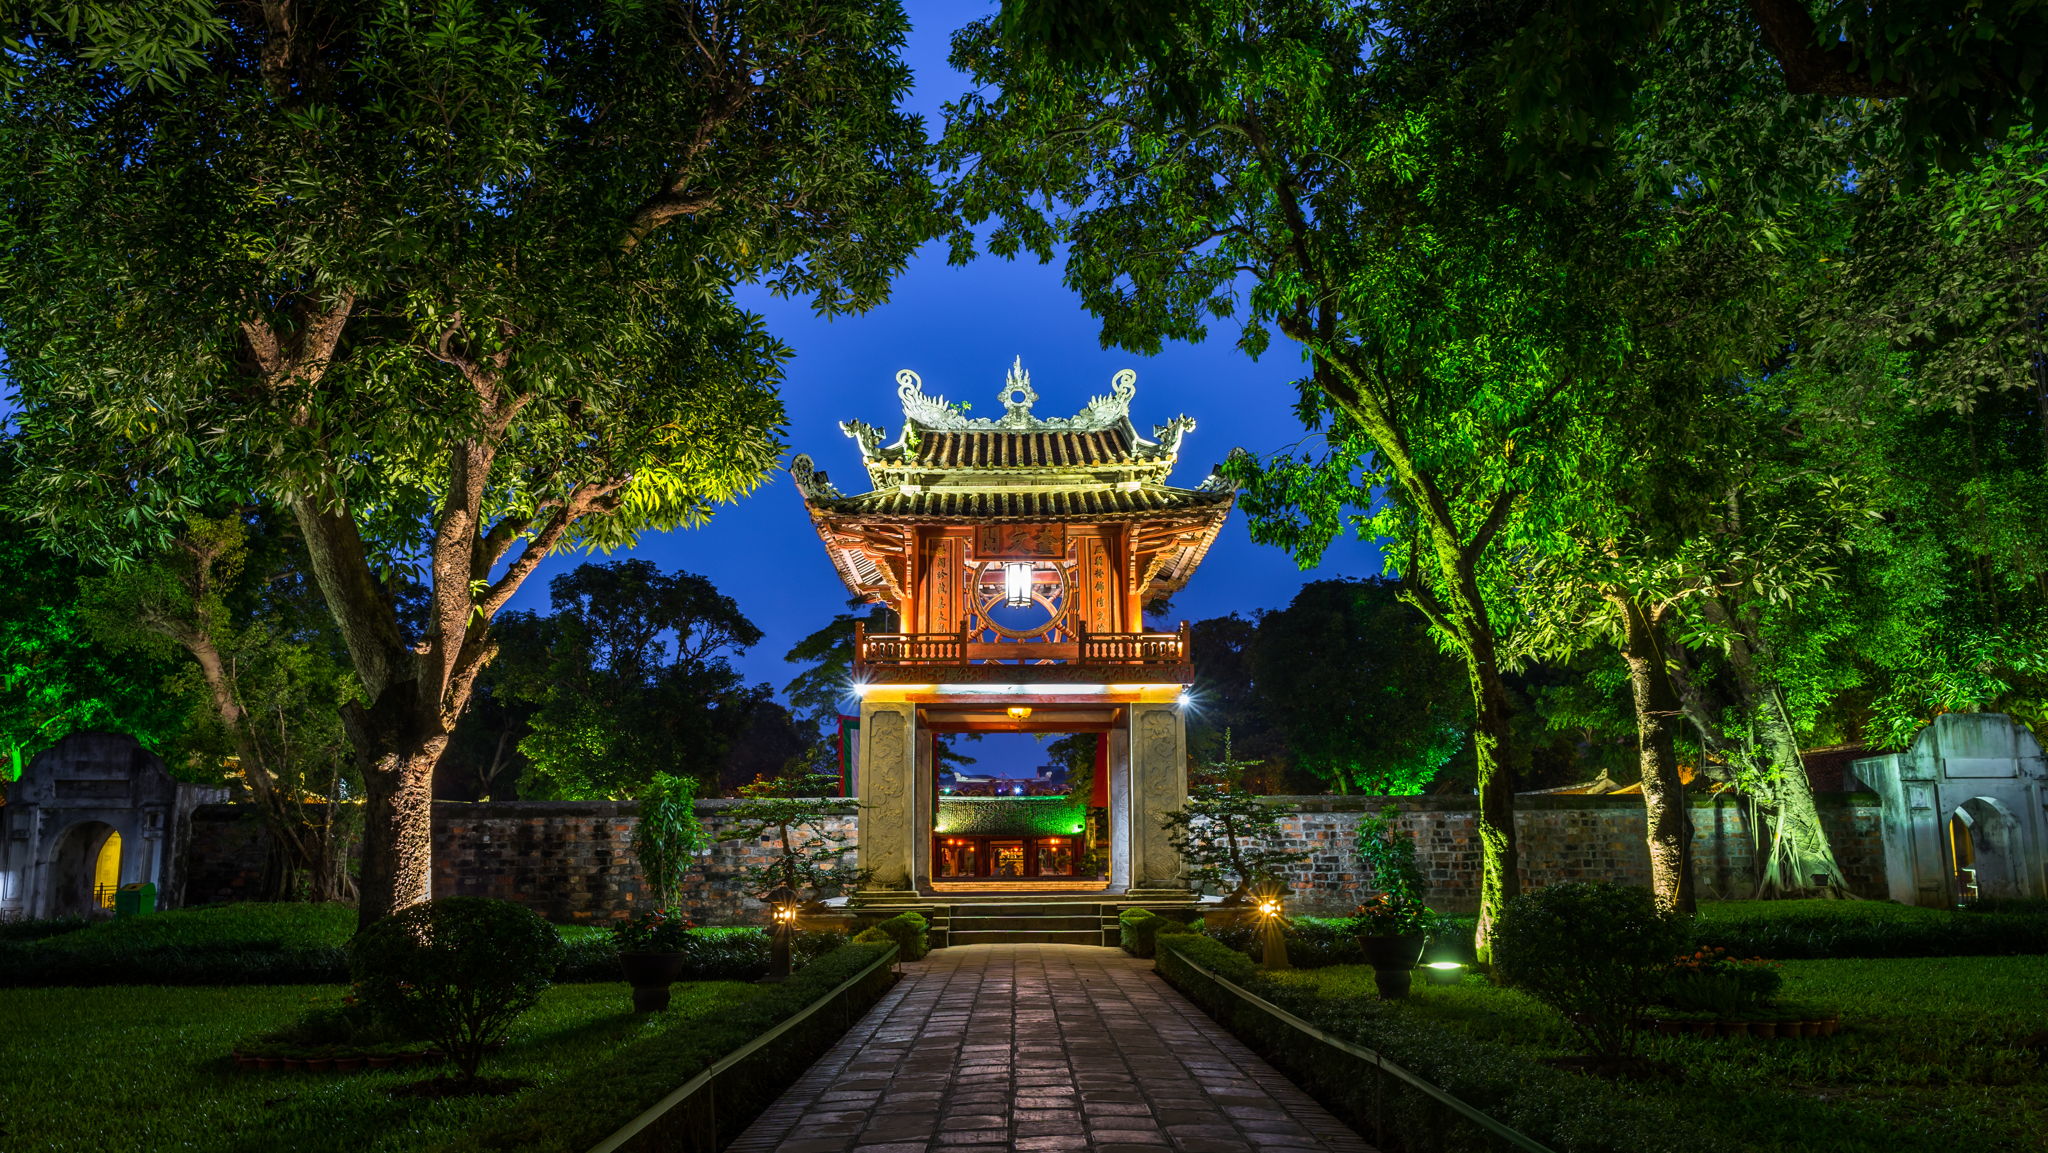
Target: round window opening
[1035, 617]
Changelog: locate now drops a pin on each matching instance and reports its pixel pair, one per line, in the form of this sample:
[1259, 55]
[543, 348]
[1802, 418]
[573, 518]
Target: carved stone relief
[885, 816]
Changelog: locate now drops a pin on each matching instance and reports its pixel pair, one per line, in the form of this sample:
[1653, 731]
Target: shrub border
[1298, 1061]
[697, 1124]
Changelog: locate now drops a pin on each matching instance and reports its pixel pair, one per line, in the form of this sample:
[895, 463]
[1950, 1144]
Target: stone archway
[1987, 839]
[75, 868]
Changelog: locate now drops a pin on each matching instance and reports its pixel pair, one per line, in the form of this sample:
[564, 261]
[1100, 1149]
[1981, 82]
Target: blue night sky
[959, 329]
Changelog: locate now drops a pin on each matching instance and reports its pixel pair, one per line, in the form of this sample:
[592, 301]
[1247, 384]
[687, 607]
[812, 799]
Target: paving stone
[1043, 1048]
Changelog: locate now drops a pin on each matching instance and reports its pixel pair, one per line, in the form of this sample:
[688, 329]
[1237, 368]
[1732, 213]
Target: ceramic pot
[650, 974]
[1393, 957]
[1763, 1028]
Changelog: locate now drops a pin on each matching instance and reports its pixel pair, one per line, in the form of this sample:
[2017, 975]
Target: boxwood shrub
[910, 931]
[1803, 930]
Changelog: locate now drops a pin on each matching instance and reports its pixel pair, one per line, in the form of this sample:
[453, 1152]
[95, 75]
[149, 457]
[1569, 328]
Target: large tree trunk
[1796, 859]
[1801, 862]
[1499, 868]
[398, 760]
[1667, 813]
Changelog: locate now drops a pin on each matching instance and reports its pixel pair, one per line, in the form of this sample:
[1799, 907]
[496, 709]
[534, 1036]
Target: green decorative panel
[1010, 816]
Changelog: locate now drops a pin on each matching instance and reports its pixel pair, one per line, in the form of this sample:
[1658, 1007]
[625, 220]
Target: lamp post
[1272, 926]
[782, 908]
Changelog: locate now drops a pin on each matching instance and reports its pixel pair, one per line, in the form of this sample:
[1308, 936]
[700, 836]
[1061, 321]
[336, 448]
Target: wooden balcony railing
[935, 652]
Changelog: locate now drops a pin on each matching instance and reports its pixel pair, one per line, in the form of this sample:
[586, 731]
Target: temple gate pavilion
[1017, 554]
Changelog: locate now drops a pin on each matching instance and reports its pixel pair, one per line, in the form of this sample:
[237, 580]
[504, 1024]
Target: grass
[142, 1067]
[1935, 1053]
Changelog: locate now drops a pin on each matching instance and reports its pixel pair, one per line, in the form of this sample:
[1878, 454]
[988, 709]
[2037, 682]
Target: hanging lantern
[1020, 713]
[1017, 584]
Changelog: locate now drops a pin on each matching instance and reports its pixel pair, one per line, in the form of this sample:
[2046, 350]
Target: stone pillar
[888, 738]
[1119, 809]
[1159, 785]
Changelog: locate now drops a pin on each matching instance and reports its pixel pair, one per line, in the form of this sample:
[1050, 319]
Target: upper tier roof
[947, 468]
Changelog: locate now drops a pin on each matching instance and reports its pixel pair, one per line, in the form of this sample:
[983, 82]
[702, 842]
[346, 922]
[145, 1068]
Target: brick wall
[572, 860]
[1558, 838]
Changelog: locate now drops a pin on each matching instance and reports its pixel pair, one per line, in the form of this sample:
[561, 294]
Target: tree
[1306, 169]
[820, 693]
[1228, 837]
[787, 815]
[630, 678]
[268, 673]
[1365, 699]
[56, 679]
[668, 835]
[451, 283]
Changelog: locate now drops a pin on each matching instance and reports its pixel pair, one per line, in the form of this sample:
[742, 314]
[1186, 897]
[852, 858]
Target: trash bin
[135, 900]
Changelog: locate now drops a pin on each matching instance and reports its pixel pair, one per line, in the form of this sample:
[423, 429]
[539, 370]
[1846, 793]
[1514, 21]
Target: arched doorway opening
[1984, 850]
[86, 869]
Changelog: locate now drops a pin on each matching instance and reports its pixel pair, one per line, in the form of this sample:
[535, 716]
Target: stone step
[1024, 937]
[1025, 908]
[960, 921]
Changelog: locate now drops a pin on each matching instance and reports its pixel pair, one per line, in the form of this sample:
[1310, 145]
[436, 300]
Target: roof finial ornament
[1017, 396]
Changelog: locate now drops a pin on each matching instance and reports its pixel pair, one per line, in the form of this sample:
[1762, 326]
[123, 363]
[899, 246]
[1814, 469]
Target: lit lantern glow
[1269, 908]
[1020, 713]
[1017, 584]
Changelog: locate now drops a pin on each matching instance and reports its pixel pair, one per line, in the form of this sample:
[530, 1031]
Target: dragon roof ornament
[934, 414]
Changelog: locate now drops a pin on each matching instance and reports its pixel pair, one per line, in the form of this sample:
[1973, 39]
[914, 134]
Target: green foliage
[1593, 951]
[1139, 929]
[1227, 837]
[909, 932]
[458, 970]
[788, 814]
[239, 944]
[824, 689]
[576, 1111]
[628, 678]
[1932, 1056]
[1713, 981]
[1390, 854]
[1364, 700]
[74, 1053]
[1785, 930]
[655, 931]
[668, 835]
[55, 677]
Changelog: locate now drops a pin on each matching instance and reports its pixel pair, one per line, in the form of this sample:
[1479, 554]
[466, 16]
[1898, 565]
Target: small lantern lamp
[1020, 712]
[1273, 930]
[1017, 584]
[782, 913]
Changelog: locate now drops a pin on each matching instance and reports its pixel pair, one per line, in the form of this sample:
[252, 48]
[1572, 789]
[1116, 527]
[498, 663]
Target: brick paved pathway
[1048, 1047]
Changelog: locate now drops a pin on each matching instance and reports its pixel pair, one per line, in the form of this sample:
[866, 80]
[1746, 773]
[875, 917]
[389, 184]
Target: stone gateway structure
[91, 813]
[1965, 811]
[1018, 553]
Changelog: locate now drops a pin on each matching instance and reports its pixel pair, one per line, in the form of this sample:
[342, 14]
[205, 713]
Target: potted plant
[1392, 929]
[789, 817]
[652, 950]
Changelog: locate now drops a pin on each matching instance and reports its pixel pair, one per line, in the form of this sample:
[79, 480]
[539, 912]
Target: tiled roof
[1078, 503]
[1021, 450]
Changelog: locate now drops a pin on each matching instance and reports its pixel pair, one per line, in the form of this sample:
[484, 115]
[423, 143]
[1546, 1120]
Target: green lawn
[1935, 1053]
[145, 1067]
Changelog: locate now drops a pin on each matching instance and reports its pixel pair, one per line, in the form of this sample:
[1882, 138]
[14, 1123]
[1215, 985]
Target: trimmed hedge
[1138, 930]
[581, 1109]
[910, 932]
[1804, 930]
[282, 943]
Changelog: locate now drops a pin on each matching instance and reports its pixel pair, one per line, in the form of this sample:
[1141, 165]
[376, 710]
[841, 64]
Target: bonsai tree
[1596, 952]
[789, 813]
[668, 837]
[456, 971]
[1228, 837]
